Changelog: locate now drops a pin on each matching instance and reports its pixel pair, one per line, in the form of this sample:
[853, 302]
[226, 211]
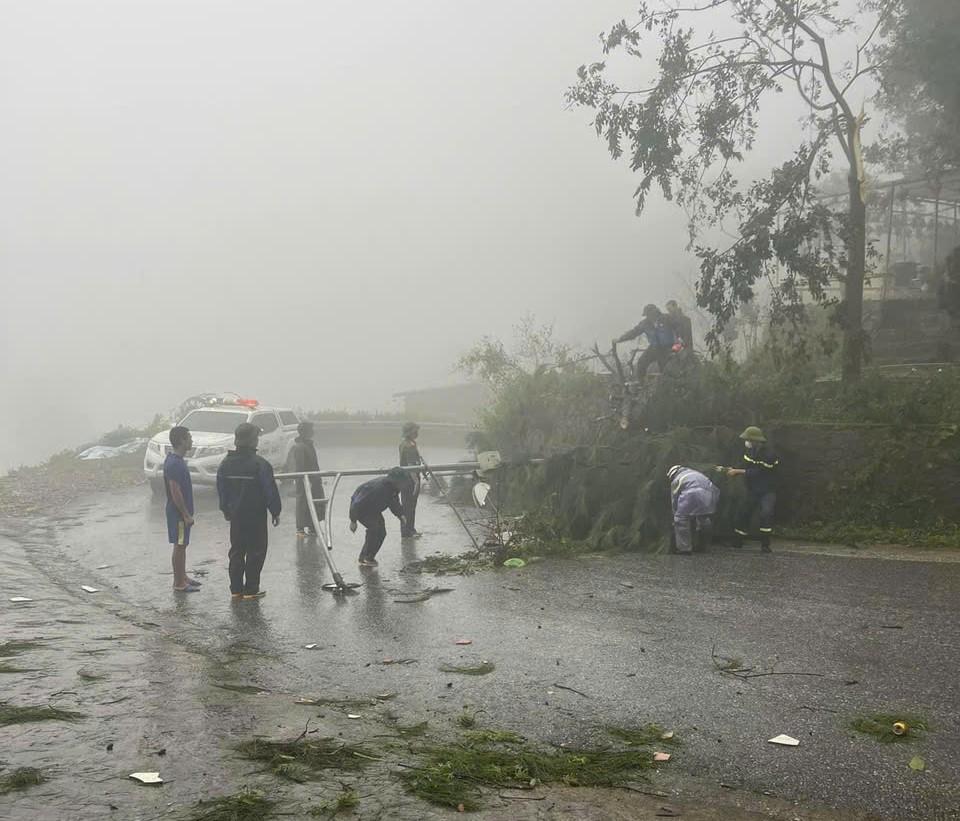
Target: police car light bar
[231, 400]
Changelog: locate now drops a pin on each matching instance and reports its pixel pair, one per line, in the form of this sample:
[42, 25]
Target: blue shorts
[177, 529]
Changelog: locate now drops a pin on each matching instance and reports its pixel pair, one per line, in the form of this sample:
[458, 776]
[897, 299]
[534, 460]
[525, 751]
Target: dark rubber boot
[765, 543]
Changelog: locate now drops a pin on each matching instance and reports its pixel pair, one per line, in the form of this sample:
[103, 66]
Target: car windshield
[207, 421]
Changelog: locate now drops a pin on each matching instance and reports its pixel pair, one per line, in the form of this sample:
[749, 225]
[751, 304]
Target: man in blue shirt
[179, 489]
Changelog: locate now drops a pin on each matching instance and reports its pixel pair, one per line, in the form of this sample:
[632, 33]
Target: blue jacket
[375, 497]
[246, 486]
[760, 464]
[659, 333]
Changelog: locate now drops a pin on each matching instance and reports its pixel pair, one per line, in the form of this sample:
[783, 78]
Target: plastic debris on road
[352, 715]
[18, 599]
[86, 588]
[147, 778]
[917, 763]
[310, 646]
[784, 740]
[661, 756]
[514, 563]
[463, 642]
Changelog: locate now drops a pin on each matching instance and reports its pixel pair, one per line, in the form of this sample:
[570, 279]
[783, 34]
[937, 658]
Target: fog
[317, 204]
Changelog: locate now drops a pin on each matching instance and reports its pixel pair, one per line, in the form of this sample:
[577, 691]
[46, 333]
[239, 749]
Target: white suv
[212, 429]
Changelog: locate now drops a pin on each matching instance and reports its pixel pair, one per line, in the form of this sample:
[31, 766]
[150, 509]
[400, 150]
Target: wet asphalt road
[636, 635]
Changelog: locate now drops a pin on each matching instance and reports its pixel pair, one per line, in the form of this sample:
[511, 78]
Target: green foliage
[485, 737]
[304, 758]
[122, 434]
[20, 779]
[919, 81]
[248, 805]
[346, 800]
[467, 719]
[543, 393]
[452, 774]
[611, 495]
[12, 714]
[534, 349]
[603, 488]
[9, 649]
[687, 130]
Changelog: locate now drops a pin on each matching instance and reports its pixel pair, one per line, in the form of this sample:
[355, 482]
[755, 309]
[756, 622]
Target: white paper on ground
[86, 588]
[310, 646]
[785, 740]
[147, 778]
[20, 599]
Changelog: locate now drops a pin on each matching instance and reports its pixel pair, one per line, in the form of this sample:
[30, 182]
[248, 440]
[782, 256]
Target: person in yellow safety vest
[760, 465]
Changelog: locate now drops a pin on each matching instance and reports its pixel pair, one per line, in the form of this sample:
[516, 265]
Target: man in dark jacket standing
[303, 459]
[247, 492]
[410, 455]
[681, 324]
[367, 505]
[759, 468]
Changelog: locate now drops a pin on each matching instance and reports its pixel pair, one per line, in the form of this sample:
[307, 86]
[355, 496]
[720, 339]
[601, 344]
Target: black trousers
[376, 533]
[652, 354]
[248, 551]
[303, 512]
[767, 502]
[408, 500]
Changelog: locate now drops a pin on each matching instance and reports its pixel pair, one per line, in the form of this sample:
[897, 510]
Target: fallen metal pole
[458, 468]
[326, 535]
[439, 485]
[323, 536]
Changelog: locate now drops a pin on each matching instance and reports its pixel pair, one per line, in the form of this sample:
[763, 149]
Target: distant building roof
[462, 387]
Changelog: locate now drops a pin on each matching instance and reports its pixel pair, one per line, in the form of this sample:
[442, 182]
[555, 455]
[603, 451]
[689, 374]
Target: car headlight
[219, 450]
[153, 447]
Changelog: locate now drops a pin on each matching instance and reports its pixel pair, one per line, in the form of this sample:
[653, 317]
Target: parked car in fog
[212, 427]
